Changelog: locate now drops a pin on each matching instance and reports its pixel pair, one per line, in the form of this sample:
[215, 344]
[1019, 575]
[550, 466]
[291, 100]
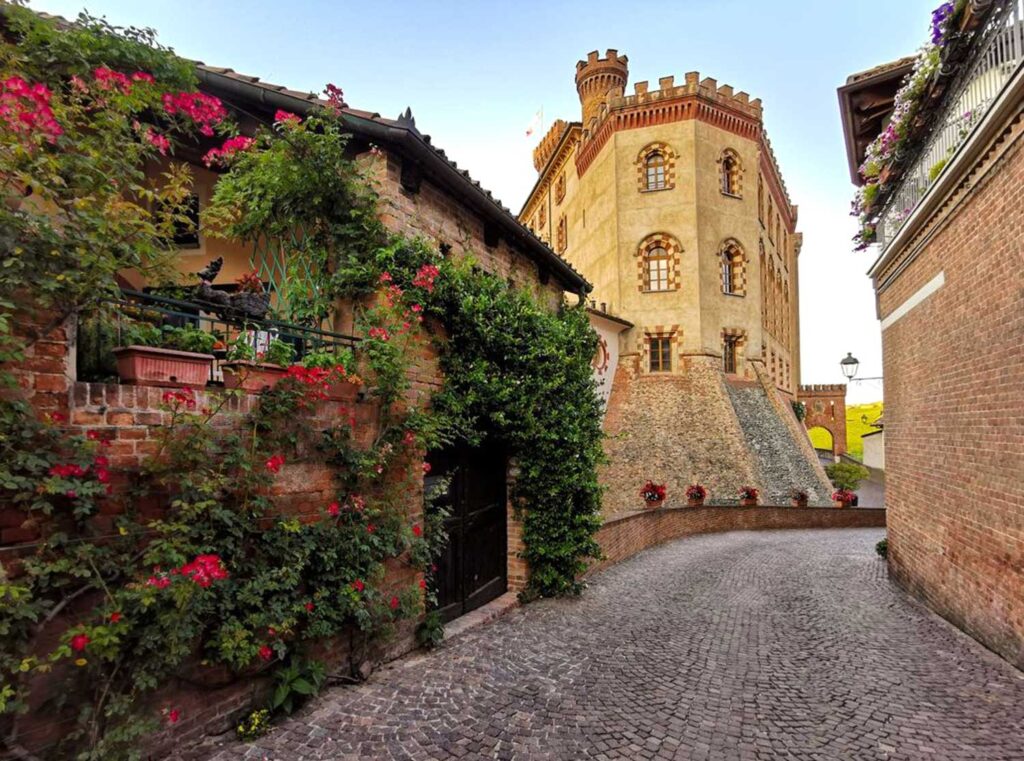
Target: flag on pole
[535, 122]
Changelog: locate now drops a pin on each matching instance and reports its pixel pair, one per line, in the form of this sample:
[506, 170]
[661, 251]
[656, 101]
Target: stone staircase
[782, 462]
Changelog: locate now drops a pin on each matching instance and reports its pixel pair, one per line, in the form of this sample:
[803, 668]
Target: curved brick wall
[626, 534]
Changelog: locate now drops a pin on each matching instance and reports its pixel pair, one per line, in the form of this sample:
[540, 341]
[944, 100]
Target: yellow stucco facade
[649, 194]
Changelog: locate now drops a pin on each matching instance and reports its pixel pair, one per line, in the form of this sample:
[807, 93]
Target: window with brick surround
[729, 345]
[660, 352]
[655, 166]
[657, 262]
[542, 217]
[733, 264]
[560, 188]
[730, 172]
[562, 239]
[728, 274]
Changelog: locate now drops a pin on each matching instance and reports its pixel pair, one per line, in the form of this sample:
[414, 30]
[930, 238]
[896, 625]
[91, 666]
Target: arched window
[562, 236]
[657, 263]
[655, 167]
[729, 169]
[732, 263]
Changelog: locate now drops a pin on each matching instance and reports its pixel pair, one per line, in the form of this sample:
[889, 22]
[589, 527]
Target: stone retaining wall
[625, 534]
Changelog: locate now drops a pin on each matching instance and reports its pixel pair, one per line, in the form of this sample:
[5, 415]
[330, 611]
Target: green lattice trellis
[296, 273]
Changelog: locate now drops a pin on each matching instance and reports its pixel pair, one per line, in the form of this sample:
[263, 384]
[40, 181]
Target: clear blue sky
[476, 72]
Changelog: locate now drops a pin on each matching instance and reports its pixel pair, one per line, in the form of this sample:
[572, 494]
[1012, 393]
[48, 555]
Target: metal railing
[995, 54]
[98, 335]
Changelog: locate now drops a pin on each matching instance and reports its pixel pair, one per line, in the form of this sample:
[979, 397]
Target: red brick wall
[954, 405]
[624, 535]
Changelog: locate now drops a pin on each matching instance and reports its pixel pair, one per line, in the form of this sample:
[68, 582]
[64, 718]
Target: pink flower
[425, 277]
[274, 463]
[394, 603]
[333, 508]
[204, 110]
[358, 585]
[380, 333]
[266, 653]
[160, 582]
[107, 79]
[409, 438]
[143, 76]
[370, 528]
[231, 146]
[358, 503]
[417, 307]
[79, 642]
[426, 468]
[158, 141]
[385, 277]
[281, 116]
[335, 97]
[204, 570]
[71, 494]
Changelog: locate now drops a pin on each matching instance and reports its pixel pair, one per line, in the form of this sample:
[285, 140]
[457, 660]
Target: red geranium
[79, 642]
[274, 463]
[652, 492]
[696, 491]
[358, 585]
[266, 653]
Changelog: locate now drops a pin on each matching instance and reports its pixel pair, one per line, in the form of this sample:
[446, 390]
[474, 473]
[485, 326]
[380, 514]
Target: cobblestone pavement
[774, 645]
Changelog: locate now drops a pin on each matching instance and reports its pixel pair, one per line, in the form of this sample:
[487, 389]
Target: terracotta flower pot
[695, 502]
[840, 503]
[251, 376]
[343, 391]
[653, 503]
[744, 502]
[799, 502]
[153, 366]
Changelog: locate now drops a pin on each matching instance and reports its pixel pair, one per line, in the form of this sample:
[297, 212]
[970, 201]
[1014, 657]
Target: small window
[656, 264]
[730, 173]
[560, 188]
[661, 354]
[728, 274]
[729, 354]
[655, 166]
[562, 241]
[542, 217]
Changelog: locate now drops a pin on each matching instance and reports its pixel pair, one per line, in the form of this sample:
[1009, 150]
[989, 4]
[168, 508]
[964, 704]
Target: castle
[671, 203]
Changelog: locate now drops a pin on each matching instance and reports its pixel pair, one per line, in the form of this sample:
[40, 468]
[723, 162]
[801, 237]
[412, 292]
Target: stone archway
[825, 407]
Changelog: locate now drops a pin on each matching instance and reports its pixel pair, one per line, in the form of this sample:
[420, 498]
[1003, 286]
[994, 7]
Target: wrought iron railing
[99, 334]
[995, 54]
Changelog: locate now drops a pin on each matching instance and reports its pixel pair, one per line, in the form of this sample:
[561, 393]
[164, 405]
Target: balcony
[969, 82]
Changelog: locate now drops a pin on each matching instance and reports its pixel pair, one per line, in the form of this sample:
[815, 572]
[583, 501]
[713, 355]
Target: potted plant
[154, 355]
[653, 494]
[798, 498]
[748, 496]
[695, 495]
[843, 497]
[251, 371]
[339, 382]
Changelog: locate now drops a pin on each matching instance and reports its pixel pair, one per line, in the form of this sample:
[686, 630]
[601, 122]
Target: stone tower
[670, 201]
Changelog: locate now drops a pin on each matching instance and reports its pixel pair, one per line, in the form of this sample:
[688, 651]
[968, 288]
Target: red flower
[271, 631]
[380, 333]
[409, 438]
[173, 715]
[101, 461]
[425, 277]
[115, 617]
[370, 528]
[385, 277]
[266, 653]
[335, 97]
[56, 417]
[417, 530]
[79, 641]
[231, 146]
[103, 475]
[143, 76]
[204, 570]
[92, 435]
[423, 583]
[333, 508]
[158, 141]
[416, 308]
[309, 607]
[71, 494]
[274, 463]
[358, 585]
[394, 603]
[26, 109]
[426, 467]
[282, 116]
[205, 110]
[160, 582]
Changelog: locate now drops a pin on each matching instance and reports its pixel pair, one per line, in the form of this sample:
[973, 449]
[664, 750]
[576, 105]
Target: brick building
[949, 284]
[671, 203]
[421, 193]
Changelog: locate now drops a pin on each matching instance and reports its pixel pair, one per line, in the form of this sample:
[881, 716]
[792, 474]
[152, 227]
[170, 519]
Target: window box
[251, 376]
[154, 366]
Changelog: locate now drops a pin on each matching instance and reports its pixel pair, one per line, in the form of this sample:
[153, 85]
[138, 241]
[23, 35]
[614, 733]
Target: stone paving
[773, 645]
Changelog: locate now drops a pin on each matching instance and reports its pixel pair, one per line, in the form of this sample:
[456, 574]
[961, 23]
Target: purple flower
[939, 17]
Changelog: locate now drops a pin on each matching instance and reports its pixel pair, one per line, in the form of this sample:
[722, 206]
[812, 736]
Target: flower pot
[840, 503]
[695, 502]
[799, 502]
[342, 391]
[251, 376]
[653, 503]
[745, 502]
[153, 366]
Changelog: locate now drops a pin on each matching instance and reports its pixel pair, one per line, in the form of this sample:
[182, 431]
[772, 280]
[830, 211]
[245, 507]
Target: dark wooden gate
[473, 569]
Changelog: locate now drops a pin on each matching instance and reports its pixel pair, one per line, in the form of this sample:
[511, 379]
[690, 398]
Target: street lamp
[849, 365]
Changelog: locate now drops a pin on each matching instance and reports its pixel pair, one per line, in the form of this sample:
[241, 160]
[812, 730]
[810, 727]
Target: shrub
[882, 548]
[800, 410]
[846, 475]
[430, 633]
[279, 353]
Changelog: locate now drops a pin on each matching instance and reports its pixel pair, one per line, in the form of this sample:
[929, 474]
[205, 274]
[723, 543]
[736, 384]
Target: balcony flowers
[748, 496]
[695, 495]
[653, 494]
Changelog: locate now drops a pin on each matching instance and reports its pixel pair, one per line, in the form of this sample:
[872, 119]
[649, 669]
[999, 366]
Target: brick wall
[626, 534]
[954, 404]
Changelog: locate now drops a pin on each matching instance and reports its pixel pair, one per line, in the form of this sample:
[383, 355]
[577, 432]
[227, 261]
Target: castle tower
[670, 202]
[598, 79]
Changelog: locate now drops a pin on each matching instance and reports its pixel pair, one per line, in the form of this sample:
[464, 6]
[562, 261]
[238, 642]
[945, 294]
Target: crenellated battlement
[822, 388]
[707, 88]
[598, 79]
[546, 147]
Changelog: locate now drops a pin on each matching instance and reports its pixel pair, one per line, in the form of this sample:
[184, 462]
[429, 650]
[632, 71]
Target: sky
[475, 73]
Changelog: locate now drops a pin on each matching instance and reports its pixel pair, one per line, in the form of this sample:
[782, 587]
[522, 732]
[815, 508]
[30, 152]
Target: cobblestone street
[773, 645]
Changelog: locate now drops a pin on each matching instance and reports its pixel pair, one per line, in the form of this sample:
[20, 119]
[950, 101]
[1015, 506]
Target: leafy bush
[295, 683]
[882, 548]
[279, 353]
[328, 360]
[800, 410]
[846, 475]
[430, 633]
